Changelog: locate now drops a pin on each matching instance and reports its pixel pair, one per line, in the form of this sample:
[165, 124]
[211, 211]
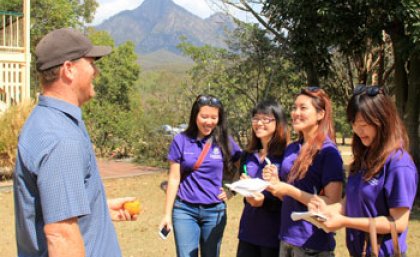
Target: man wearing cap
[60, 204]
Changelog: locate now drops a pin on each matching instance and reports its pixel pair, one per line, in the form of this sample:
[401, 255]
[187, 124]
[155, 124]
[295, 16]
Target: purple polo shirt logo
[216, 154]
[373, 181]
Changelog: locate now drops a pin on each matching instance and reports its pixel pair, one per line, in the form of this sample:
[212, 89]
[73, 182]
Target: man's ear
[68, 70]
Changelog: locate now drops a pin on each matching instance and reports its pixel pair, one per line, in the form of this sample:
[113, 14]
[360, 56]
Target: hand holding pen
[244, 172]
[314, 205]
[270, 172]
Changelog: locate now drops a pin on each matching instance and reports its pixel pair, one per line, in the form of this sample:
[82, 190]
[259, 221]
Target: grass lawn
[140, 238]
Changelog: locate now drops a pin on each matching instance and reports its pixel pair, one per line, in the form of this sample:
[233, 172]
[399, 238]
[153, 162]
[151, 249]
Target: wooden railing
[14, 57]
[11, 31]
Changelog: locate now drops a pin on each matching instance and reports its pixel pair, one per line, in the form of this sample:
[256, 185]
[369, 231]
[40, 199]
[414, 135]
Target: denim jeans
[198, 226]
[288, 250]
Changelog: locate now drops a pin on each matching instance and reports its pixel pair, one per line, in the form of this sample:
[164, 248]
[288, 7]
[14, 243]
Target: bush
[153, 149]
[11, 123]
[113, 130]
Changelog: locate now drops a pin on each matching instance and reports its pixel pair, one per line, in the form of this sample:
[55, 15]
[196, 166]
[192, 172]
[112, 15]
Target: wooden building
[15, 57]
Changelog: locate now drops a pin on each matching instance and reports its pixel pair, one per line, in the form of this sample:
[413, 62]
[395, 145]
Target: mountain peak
[159, 24]
[155, 8]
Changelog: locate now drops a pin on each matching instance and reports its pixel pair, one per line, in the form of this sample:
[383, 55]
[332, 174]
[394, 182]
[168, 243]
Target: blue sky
[108, 8]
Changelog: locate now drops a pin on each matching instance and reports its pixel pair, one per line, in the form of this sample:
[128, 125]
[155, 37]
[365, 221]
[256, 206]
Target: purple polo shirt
[261, 225]
[201, 186]
[393, 187]
[326, 167]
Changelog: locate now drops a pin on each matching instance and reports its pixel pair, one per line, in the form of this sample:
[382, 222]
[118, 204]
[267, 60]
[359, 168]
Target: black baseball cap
[65, 44]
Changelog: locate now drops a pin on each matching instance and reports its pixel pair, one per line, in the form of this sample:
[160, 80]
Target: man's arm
[64, 239]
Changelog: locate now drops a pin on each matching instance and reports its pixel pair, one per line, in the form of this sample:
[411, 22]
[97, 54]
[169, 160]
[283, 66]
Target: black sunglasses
[369, 90]
[208, 100]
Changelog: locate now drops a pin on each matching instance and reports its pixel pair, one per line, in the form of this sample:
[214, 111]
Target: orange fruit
[132, 207]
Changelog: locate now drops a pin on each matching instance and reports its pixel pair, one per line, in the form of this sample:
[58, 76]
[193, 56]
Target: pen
[245, 170]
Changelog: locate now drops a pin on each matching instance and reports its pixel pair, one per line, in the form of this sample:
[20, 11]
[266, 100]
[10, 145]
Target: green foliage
[163, 100]
[11, 6]
[342, 127]
[153, 150]
[124, 118]
[47, 15]
[378, 42]
[112, 130]
[119, 71]
[110, 119]
[251, 70]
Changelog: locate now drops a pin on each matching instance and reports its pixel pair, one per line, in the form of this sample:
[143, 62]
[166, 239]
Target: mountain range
[156, 26]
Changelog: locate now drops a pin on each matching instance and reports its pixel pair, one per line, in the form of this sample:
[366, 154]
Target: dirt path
[120, 169]
[108, 169]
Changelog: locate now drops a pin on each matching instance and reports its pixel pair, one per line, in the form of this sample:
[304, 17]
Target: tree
[378, 41]
[119, 71]
[251, 70]
[47, 15]
[11, 5]
[111, 122]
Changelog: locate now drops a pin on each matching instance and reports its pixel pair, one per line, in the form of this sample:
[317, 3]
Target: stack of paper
[248, 187]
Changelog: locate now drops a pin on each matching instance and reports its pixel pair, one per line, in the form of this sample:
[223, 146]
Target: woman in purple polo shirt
[260, 221]
[310, 165]
[383, 178]
[195, 207]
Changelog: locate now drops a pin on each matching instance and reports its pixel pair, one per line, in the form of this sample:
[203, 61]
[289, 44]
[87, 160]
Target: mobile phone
[163, 233]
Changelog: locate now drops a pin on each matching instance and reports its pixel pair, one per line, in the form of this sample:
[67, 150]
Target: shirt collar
[202, 140]
[65, 107]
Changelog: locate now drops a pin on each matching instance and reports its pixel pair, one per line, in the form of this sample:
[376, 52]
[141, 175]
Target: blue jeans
[198, 225]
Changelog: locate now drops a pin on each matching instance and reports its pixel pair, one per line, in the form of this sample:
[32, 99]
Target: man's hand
[117, 211]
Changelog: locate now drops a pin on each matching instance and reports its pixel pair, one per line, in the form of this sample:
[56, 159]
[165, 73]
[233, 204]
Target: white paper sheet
[316, 219]
[248, 187]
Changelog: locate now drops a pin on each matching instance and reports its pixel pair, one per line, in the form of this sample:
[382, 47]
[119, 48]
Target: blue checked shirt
[56, 178]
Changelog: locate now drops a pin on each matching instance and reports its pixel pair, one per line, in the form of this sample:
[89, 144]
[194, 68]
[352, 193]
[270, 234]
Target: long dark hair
[379, 111]
[279, 140]
[220, 133]
[321, 102]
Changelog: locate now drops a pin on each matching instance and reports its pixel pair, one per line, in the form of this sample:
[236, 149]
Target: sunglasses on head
[208, 100]
[313, 89]
[310, 89]
[369, 90]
